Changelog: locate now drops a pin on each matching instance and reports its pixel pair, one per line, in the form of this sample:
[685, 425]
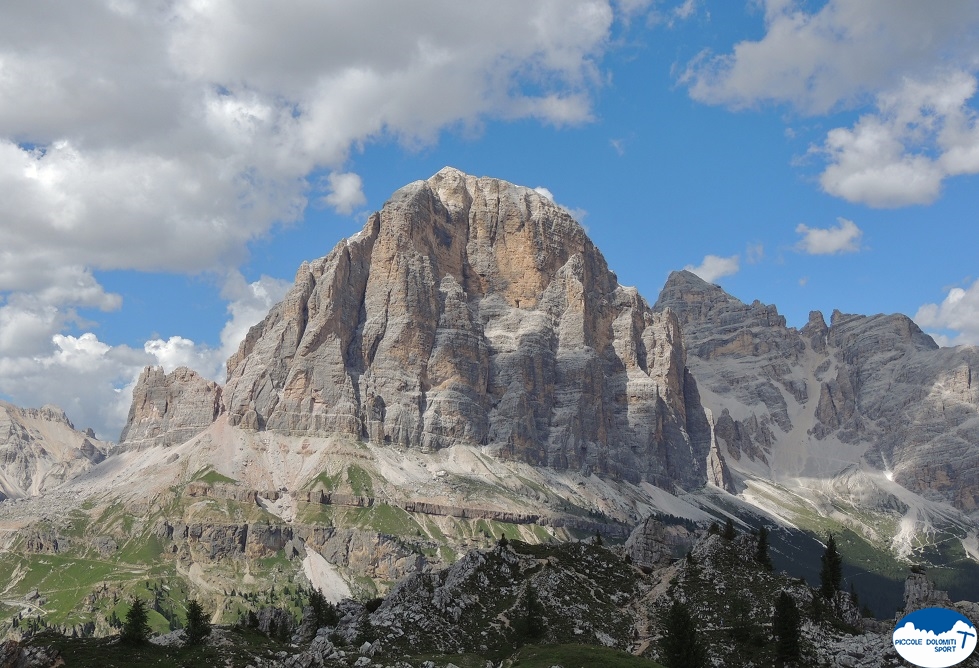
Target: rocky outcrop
[169, 408]
[14, 654]
[375, 555]
[656, 542]
[40, 449]
[576, 592]
[920, 592]
[875, 385]
[470, 310]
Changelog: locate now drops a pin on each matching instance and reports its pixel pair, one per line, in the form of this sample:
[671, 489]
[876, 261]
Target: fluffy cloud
[167, 135]
[916, 62]
[346, 192]
[92, 380]
[922, 132]
[714, 267]
[846, 50]
[178, 351]
[164, 136]
[89, 379]
[844, 238]
[958, 315]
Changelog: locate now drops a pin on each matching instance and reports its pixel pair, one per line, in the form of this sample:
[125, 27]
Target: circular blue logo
[934, 637]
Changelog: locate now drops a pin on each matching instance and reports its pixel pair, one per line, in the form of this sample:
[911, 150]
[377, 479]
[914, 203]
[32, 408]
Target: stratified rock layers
[470, 310]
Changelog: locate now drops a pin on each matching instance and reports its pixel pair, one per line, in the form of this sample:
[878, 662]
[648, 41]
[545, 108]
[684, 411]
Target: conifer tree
[785, 627]
[761, 553]
[831, 571]
[681, 644]
[136, 628]
[728, 533]
[198, 625]
[324, 612]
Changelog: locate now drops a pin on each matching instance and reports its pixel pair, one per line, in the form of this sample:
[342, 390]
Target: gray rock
[170, 408]
[877, 383]
[40, 449]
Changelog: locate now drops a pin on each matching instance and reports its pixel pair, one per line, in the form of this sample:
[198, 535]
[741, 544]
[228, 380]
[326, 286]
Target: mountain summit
[474, 311]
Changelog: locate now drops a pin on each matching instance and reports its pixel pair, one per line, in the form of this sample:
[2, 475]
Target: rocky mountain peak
[169, 408]
[40, 449]
[471, 310]
[885, 395]
[48, 412]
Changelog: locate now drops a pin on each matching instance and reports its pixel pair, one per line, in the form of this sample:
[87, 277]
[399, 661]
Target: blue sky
[182, 158]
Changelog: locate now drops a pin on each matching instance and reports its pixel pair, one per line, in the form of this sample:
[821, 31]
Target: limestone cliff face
[169, 408]
[40, 449]
[864, 390]
[470, 310]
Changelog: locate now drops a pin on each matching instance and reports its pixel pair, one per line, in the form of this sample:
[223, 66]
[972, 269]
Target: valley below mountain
[467, 368]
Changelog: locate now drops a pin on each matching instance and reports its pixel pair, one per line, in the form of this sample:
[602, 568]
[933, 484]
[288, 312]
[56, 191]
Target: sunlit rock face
[471, 310]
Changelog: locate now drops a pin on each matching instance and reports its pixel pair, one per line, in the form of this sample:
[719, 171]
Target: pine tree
[324, 612]
[681, 645]
[831, 571]
[785, 627]
[761, 554]
[198, 625]
[136, 628]
[533, 619]
[728, 533]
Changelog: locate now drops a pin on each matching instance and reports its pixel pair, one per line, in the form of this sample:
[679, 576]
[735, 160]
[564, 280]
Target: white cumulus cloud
[818, 60]
[916, 64]
[92, 380]
[957, 315]
[843, 238]
[346, 192]
[921, 133]
[714, 267]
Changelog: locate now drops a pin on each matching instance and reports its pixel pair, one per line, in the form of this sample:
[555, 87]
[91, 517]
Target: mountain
[467, 367]
[40, 449]
[473, 311]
